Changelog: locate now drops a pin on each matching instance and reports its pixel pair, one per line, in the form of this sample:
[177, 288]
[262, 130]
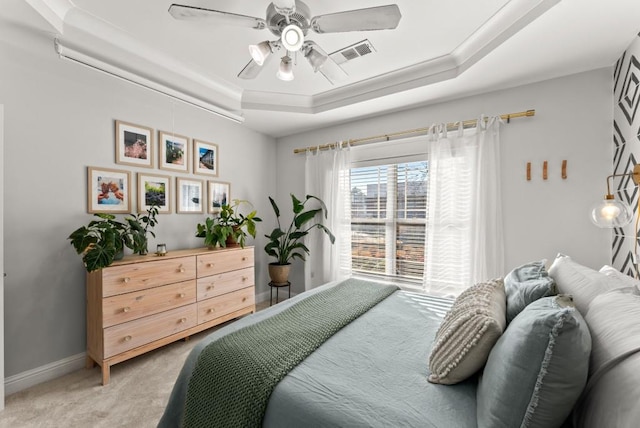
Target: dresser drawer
[123, 337]
[130, 306]
[225, 304]
[132, 277]
[223, 261]
[215, 285]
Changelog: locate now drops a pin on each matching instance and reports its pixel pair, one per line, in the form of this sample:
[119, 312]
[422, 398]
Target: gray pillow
[467, 333]
[537, 369]
[526, 284]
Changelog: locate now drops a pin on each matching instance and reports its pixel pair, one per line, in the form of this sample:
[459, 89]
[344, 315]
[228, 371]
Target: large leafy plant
[230, 225]
[103, 240]
[287, 245]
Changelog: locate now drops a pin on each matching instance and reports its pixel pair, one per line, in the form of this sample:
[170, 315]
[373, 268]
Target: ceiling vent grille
[352, 52]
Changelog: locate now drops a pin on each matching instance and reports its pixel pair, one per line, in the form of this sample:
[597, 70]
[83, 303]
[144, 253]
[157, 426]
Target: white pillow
[625, 280]
[611, 396]
[583, 283]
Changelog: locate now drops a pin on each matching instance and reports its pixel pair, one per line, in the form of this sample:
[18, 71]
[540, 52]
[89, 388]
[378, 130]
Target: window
[388, 220]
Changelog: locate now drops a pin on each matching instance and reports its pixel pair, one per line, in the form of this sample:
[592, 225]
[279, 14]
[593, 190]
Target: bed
[374, 371]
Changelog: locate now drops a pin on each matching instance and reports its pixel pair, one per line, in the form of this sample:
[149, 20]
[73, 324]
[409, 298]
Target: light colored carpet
[135, 397]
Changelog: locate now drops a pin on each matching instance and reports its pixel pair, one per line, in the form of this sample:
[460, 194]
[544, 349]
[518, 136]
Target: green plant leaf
[276, 210]
[304, 217]
[297, 205]
[327, 231]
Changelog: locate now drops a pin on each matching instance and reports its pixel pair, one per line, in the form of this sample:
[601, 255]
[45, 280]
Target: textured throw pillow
[537, 369]
[526, 284]
[468, 332]
[583, 283]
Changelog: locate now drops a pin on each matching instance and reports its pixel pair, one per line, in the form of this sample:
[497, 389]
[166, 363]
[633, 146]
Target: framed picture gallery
[218, 194]
[108, 191]
[174, 152]
[134, 145]
[205, 158]
[154, 189]
[190, 196]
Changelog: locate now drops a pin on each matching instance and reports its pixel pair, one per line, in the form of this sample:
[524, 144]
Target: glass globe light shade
[316, 59]
[610, 213]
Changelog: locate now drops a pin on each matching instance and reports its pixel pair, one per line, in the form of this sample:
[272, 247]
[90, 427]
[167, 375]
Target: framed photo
[190, 195]
[134, 145]
[174, 151]
[154, 189]
[218, 193]
[205, 158]
[108, 191]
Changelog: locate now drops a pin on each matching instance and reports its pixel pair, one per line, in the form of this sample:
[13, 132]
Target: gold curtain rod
[387, 137]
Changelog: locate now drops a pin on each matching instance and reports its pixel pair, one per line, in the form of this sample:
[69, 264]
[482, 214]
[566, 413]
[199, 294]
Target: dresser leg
[106, 372]
[89, 364]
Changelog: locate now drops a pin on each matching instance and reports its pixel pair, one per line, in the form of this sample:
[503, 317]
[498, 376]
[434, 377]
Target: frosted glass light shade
[260, 52]
[610, 213]
[316, 59]
[285, 71]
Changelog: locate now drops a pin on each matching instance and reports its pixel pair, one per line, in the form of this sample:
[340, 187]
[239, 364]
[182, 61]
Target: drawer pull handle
[183, 320]
[211, 311]
[244, 299]
[126, 309]
[244, 278]
[244, 259]
[181, 269]
[181, 295]
[210, 287]
[210, 264]
[126, 279]
[127, 338]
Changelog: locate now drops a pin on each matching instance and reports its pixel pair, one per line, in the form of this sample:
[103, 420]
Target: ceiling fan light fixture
[316, 59]
[260, 52]
[285, 71]
[292, 38]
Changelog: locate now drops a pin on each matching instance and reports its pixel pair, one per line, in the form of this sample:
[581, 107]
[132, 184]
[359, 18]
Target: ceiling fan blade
[250, 71]
[372, 18]
[191, 13]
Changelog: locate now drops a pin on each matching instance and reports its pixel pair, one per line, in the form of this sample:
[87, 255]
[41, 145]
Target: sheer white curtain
[327, 177]
[464, 242]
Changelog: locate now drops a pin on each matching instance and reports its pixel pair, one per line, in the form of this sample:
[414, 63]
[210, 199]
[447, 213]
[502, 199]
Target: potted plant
[231, 227]
[103, 240]
[139, 227]
[286, 245]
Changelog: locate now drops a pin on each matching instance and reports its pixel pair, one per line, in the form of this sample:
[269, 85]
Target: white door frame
[1, 257]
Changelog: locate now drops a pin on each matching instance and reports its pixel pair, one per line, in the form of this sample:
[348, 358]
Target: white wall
[59, 119]
[573, 121]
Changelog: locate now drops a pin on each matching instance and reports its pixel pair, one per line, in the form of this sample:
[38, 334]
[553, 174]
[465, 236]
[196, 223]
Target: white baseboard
[50, 371]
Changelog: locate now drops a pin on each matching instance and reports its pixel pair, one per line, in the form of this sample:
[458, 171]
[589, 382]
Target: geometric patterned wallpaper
[626, 140]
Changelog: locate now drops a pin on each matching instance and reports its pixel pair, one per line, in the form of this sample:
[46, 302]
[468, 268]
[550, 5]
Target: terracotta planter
[279, 274]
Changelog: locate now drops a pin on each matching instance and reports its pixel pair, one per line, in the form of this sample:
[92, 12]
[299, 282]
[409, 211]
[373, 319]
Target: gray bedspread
[373, 373]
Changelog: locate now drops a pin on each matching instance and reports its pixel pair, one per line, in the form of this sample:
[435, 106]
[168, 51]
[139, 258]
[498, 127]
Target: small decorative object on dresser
[286, 245]
[140, 304]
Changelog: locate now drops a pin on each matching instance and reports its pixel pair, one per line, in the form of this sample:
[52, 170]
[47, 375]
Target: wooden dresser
[141, 303]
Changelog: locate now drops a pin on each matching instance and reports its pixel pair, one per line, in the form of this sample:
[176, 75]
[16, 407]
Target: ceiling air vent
[349, 53]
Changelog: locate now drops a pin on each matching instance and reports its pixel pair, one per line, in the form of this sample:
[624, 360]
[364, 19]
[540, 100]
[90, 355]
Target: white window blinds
[388, 216]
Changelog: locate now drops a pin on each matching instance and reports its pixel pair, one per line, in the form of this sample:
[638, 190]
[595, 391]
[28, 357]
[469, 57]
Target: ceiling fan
[290, 21]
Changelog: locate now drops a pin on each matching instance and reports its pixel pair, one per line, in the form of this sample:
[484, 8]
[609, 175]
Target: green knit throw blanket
[235, 375]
